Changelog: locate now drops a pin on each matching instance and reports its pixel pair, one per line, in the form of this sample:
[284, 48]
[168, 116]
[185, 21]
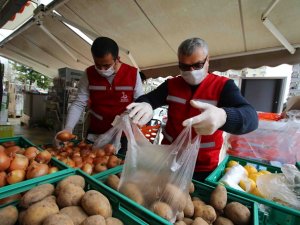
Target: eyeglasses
[196, 66]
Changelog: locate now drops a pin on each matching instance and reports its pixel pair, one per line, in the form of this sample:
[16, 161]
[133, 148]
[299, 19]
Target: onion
[12, 151]
[52, 169]
[2, 148]
[15, 176]
[4, 161]
[87, 159]
[37, 170]
[8, 144]
[113, 161]
[20, 162]
[69, 162]
[100, 160]
[64, 136]
[99, 152]
[81, 145]
[2, 179]
[31, 152]
[100, 168]
[70, 144]
[68, 150]
[85, 152]
[77, 159]
[109, 149]
[43, 157]
[76, 154]
[88, 168]
[10, 199]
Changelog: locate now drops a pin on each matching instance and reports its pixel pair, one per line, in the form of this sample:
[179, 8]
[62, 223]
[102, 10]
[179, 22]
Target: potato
[174, 197]
[180, 223]
[8, 215]
[75, 179]
[113, 181]
[94, 220]
[38, 212]
[188, 221]
[113, 221]
[237, 213]
[206, 212]
[179, 216]
[133, 192]
[76, 214]
[36, 194]
[58, 219]
[95, 203]
[70, 195]
[21, 217]
[189, 207]
[223, 221]
[162, 209]
[197, 201]
[218, 198]
[199, 221]
[191, 188]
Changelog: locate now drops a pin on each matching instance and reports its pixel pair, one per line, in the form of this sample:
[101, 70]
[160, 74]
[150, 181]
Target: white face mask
[106, 73]
[193, 77]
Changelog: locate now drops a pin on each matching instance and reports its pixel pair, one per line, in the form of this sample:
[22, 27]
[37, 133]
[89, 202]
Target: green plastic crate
[271, 213]
[202, 190]
[119, 211]
[10, 189]
[298, 165]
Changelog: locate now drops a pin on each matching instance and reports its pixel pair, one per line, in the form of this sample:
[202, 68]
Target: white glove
[57, 142]
[141, 113]
[210, 119]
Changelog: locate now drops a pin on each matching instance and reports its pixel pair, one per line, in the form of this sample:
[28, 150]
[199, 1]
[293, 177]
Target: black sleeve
[241, 116]
[157, 97]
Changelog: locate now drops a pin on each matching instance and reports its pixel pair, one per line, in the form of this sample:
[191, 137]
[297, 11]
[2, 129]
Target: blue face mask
[106, 73]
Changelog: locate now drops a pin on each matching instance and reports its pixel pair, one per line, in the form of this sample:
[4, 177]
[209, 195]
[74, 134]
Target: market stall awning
[152, 30]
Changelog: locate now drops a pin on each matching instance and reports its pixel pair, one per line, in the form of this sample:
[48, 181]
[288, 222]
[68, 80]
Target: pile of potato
[86, 157]
[192, 210]
[18, 164]
[67, 204]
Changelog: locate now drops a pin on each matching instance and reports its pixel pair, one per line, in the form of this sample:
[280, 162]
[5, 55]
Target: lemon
[232, 163]
[254, 176]
[247, 185]
[227, 169]
[250, 169]
[264, 172]
[256, 192]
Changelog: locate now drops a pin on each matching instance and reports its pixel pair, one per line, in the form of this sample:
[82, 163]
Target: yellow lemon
[254, 176]
[264, 172]
[232, 163]
[250, 169]
[247, 185]
[227, 169]
[256, 192]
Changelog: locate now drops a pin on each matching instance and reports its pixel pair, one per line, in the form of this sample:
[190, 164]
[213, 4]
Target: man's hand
[141, 113]
[210, 119]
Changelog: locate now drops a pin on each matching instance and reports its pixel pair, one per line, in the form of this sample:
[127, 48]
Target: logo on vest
[124, 97]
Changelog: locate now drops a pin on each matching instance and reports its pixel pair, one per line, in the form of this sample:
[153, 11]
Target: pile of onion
[84, 156]
[18, 164]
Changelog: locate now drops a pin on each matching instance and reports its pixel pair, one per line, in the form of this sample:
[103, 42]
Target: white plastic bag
[112, 136]
[158, 173]
[282, 187]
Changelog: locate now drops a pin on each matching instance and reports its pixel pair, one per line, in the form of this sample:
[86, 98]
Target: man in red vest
[213, 103]
[109, 86]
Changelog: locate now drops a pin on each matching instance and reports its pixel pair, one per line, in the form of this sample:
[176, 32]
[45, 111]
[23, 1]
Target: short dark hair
[103, 46]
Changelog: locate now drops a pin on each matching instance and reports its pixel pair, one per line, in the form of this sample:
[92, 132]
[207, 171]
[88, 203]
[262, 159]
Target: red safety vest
[179, 96]
[108, 100]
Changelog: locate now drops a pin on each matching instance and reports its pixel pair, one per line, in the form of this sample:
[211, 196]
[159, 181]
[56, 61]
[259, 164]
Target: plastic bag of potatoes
[158, 176]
